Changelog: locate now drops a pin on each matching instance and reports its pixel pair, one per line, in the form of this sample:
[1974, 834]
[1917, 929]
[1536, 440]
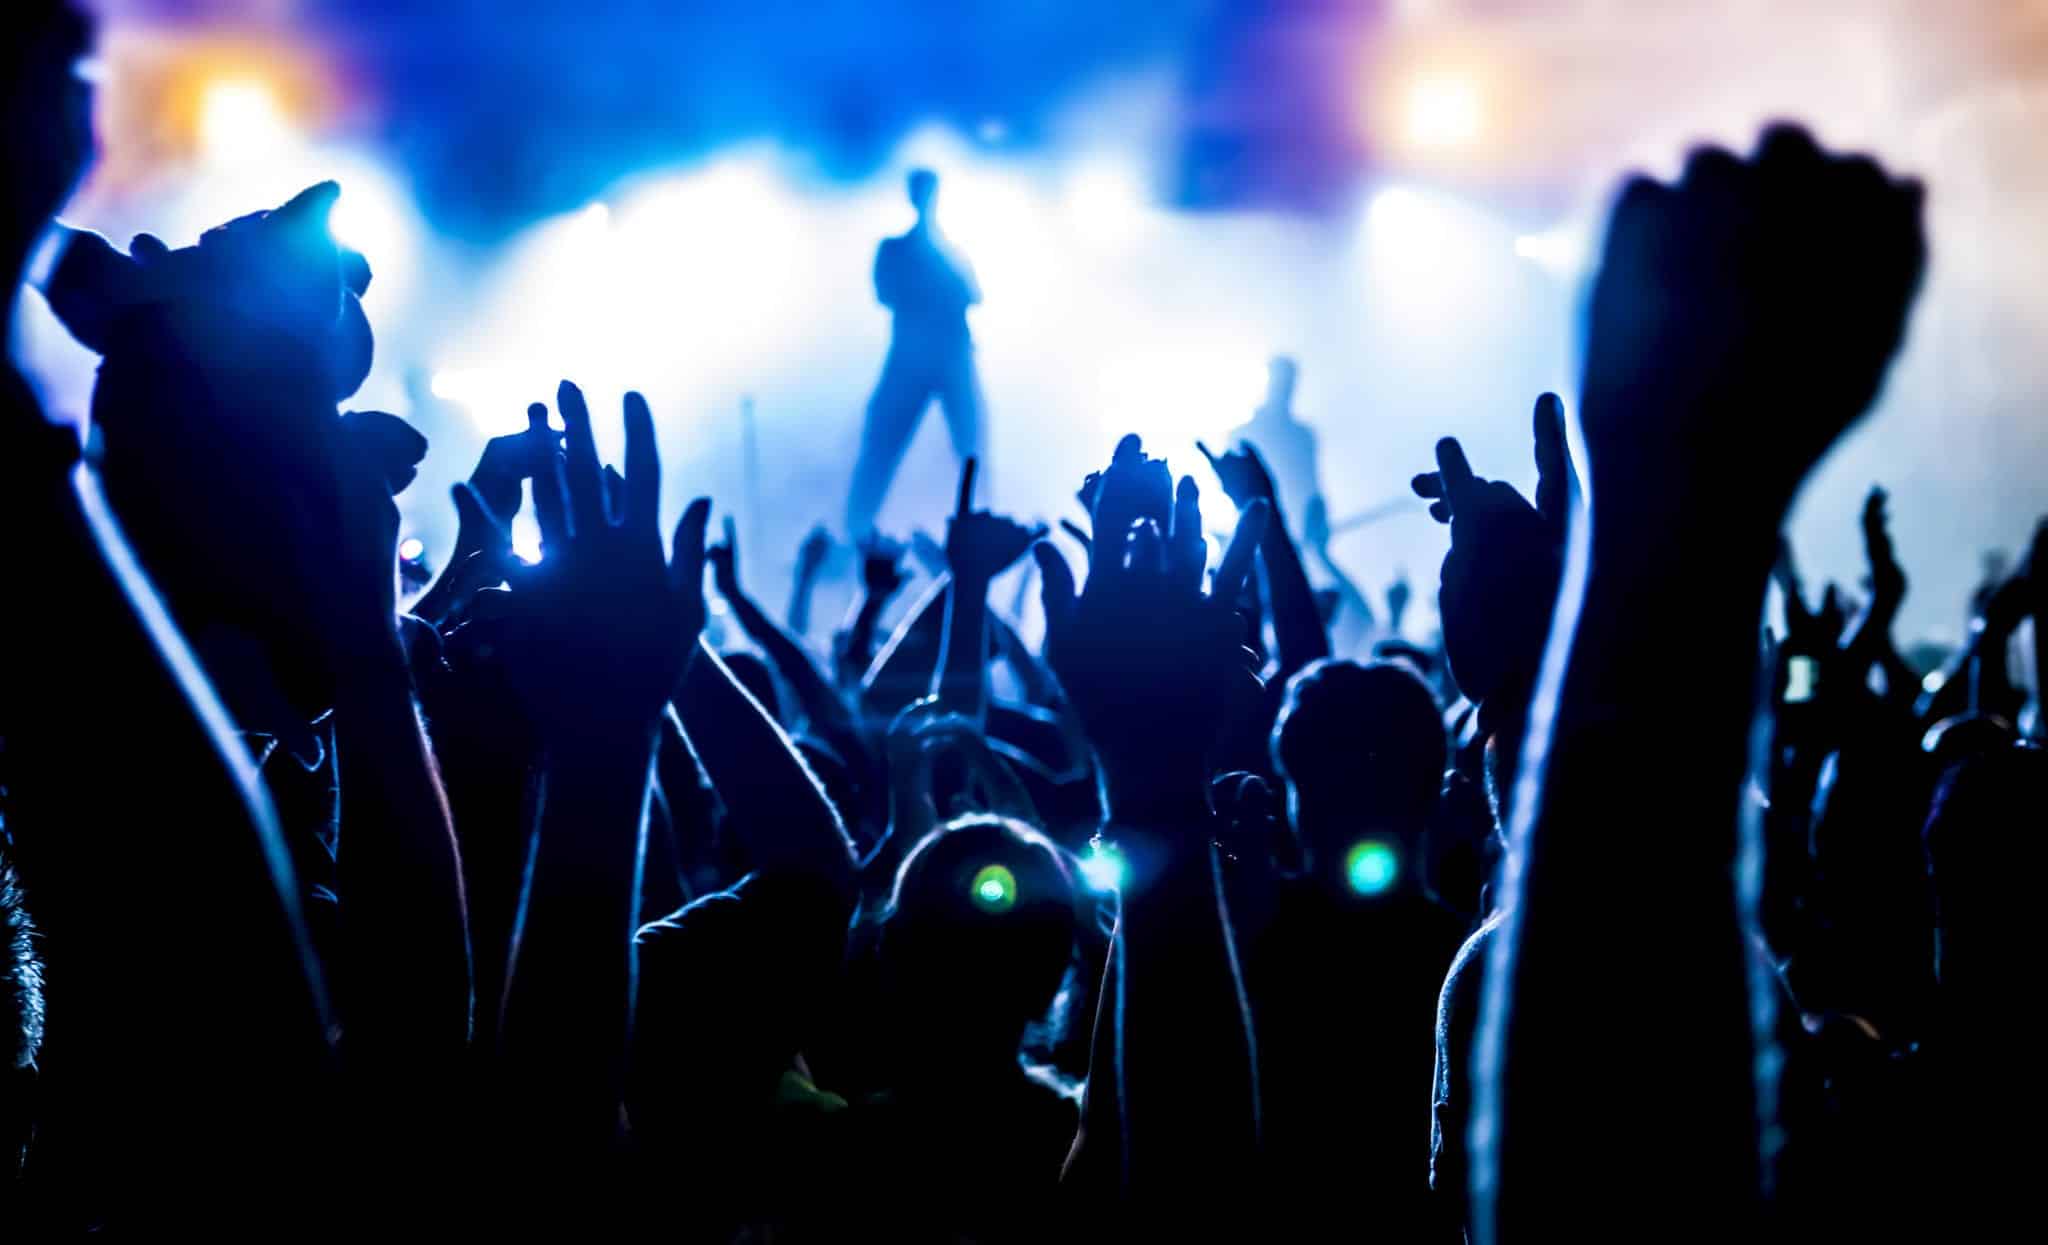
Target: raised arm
[1741, 320]
[822, 706]
[606, 625]
[979, 546]
[1299, 636]
[881, 578]
[784, 821]
[405, 978]
[810, 558]
[1148, 659]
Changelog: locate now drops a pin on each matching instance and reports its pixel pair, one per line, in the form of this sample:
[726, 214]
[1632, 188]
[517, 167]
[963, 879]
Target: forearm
[1173, 1016]
[826, 712]
[902, 671]
[766, 788]
[407, 977]
[1627, 820]
[960, 677]
[569, 996]
[1298, 631]
[857, 648]
[800, 604]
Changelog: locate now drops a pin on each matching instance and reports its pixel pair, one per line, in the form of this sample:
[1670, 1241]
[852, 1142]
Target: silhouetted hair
[1368, 736]
[1017, 952]
[21, 977]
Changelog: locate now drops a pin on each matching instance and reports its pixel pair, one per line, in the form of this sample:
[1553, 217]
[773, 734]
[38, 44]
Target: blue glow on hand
[1103, 867]
[1371, 866]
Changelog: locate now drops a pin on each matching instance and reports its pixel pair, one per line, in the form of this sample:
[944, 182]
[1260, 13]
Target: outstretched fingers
[968, 467]
[643, 468]
[686, 561]
[583, 477]
[1554, 475]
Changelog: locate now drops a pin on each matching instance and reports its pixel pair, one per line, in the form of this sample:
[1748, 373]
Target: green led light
[994, 889]
[1371, 866]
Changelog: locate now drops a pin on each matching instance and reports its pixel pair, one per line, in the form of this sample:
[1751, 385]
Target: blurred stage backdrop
[684, 198]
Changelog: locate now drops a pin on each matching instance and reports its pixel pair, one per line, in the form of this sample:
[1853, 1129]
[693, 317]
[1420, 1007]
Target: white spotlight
[1442, 111]
[1105, 204]
[241, 121]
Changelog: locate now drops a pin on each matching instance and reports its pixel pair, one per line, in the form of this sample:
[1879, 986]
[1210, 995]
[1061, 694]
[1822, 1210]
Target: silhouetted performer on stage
[929, 286]
[1287, 444]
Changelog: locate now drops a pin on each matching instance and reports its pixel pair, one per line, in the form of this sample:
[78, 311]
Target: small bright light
[1106, 205]
[1371, 866]
[526, 537]
[994, 888]
[1442, 111]
[411, 548]
[1102, 869]
[240, 120]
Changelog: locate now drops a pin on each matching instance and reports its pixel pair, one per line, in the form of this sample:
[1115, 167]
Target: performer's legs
[899, 399]
[966, 416]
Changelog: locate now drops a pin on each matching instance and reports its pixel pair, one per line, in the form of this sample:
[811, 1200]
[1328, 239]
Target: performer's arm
[968, 285]
[885, 276]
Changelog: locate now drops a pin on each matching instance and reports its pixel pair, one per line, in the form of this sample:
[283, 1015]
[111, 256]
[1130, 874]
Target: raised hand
[510, 460]
[1500, 577]
[1242, 473]
[1741, 321]
[979, 544]
[812, 553]
[1135, 487]
[607, 623]
[1147, 658]
[881, 566]
[725, 561]
[1887, 577]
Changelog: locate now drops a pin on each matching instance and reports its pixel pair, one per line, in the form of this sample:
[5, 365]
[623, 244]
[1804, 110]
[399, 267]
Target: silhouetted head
[1362, 750]
[923, 185]
[979, 933]
[1280, 374]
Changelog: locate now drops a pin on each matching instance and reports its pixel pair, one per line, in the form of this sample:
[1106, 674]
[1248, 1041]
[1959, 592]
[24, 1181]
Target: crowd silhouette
[514, 907]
